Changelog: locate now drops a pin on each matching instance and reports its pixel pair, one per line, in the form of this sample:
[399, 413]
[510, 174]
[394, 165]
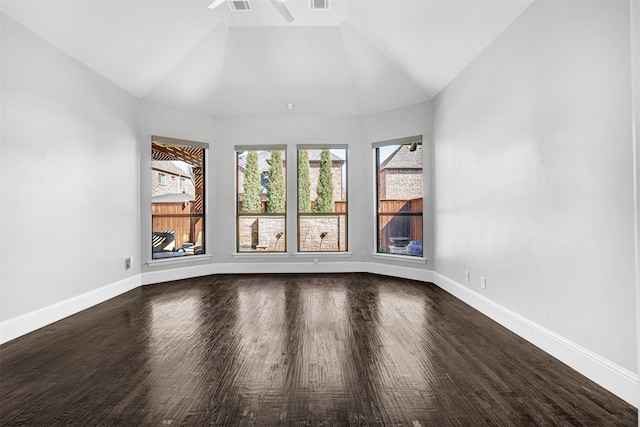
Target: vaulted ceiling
[358, 57]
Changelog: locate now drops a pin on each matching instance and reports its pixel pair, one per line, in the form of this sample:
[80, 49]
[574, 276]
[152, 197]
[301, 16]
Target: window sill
[321, 254]
[269, 255]
[402, 258]
[181, 260]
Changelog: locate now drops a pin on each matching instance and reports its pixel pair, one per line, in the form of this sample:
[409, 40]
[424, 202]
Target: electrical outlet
[483, 282]
[315, 261]
[128, 262]
[467, 275]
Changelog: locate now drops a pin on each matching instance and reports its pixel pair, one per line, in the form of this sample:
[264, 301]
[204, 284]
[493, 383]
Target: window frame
[345, 180]
[199, 246]
[239, 149]
[378, 214]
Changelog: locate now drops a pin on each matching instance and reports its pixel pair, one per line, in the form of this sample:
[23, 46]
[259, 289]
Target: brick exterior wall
[314, 174]
[400, 184]
[172, 184]
[336, 175]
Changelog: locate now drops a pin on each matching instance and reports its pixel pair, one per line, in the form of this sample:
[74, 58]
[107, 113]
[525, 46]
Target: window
[399, 196]
[261, 199]
[177, 204]
[322, 198]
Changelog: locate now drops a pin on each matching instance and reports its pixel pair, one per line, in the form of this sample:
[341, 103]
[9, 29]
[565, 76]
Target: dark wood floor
[267, 350]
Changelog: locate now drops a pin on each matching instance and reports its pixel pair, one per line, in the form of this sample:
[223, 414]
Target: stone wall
[261, 233]
[267, 233]
[333, 227]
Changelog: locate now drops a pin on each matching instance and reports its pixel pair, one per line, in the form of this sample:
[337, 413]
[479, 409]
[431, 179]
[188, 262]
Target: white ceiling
[360, 57]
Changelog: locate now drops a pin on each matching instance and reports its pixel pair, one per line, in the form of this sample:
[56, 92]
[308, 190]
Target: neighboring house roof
[264, 156]
[404, 158]
[314, 156]
[169, 167]
[172, 198]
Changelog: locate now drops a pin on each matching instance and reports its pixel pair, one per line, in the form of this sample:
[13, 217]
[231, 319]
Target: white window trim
[181, 260]
[399, 257]
[384, 255]
[261, 255]
[345, 254]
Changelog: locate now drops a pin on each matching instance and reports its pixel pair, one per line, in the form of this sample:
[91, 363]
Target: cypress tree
[304, 183]
[324, 202]
[275, 186]
[252, 185]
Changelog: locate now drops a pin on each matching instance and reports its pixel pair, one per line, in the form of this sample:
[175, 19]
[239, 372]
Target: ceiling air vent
[319, 4]
[239, 5]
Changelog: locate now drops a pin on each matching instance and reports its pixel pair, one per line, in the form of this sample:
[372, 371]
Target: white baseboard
[405, 272]
[618, 380]
[178, 272]
[152, 277]
[29, 322]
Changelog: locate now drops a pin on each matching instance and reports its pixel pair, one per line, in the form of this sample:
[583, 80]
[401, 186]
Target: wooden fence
[186, 228]
[393, 225]
[338, 207]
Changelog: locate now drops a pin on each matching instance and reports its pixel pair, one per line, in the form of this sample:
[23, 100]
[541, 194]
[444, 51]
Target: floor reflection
[402, 361]
[324, 335]
[176, 343]
[362, 388]
[260, 357]
[290, 339]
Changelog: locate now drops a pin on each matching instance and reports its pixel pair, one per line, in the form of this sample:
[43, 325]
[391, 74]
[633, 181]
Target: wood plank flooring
[291, 350]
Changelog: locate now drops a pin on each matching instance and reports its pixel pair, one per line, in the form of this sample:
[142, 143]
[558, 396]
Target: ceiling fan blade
[216, 3]
[280, 7]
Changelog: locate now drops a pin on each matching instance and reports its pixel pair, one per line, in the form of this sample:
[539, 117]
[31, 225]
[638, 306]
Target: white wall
[534, 183]
[635, 73]
[70, 177]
